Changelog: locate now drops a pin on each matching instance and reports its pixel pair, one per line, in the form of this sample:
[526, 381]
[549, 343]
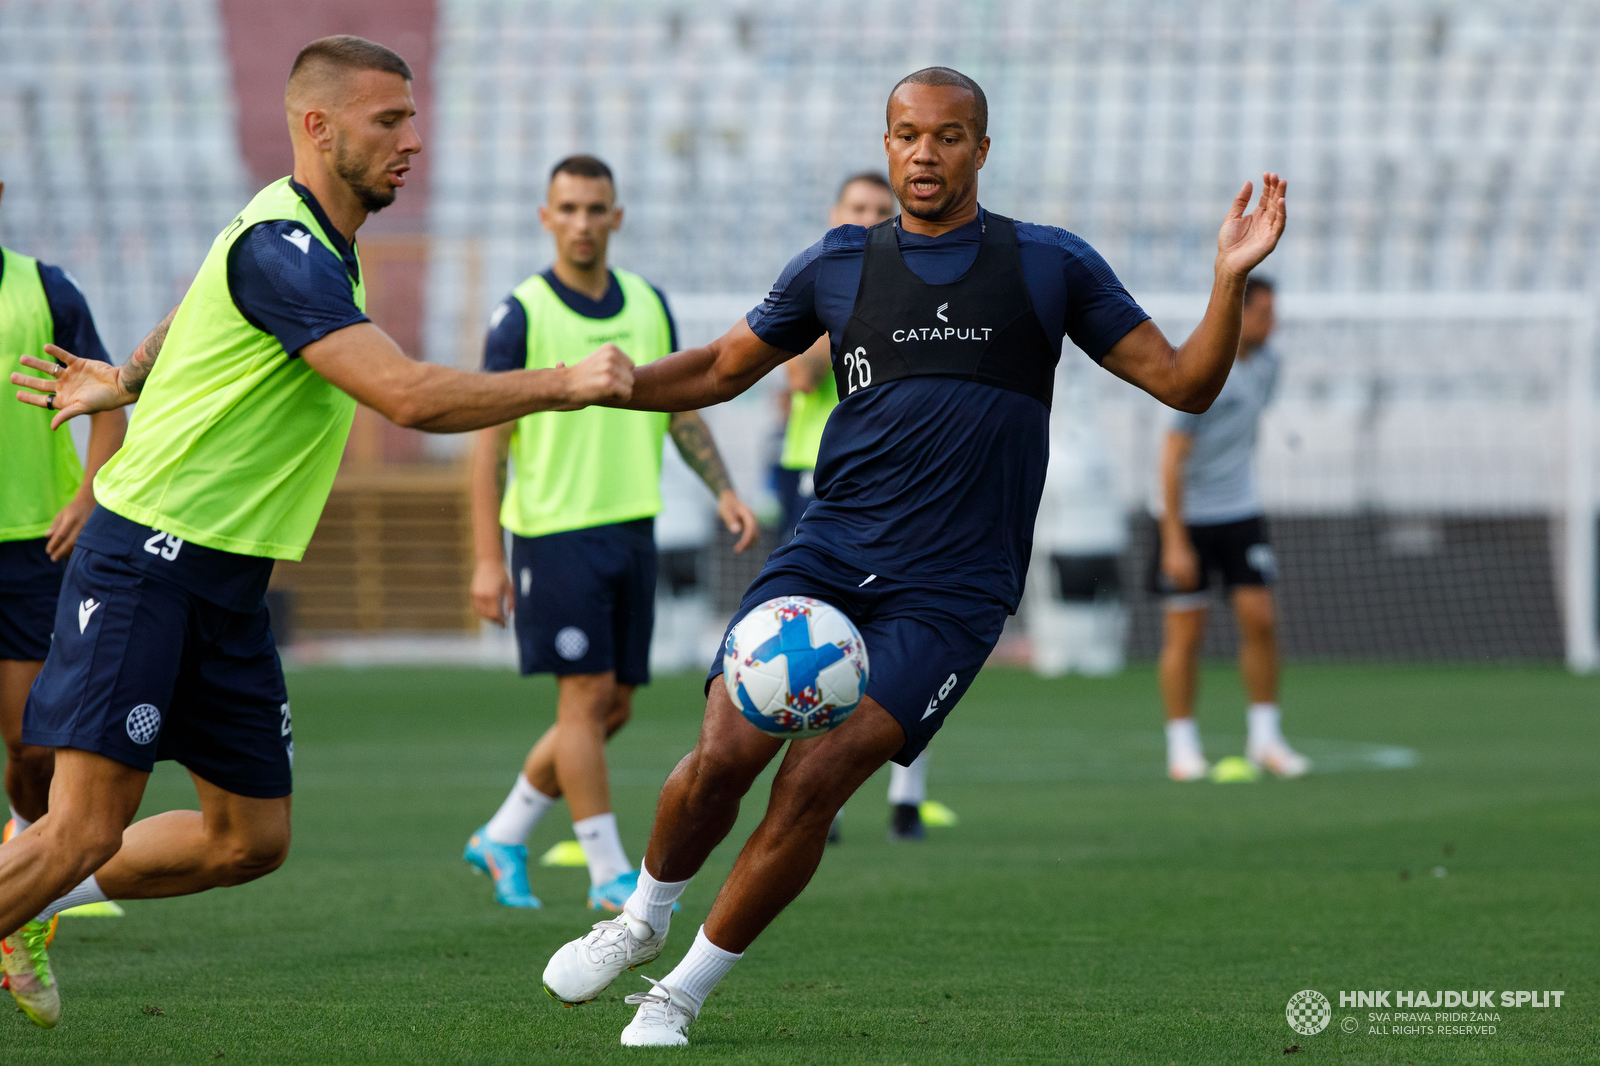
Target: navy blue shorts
[586, 600]
[142, 670]
[925, 643]
[29, 585]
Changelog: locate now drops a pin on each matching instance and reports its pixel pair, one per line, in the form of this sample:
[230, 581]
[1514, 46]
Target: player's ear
[544, 217]
[983, 153]
[616, 219]
[314, 122]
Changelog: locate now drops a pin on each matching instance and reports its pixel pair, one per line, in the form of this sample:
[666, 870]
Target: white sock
[87, 892]
[602, 846]
[909, 784]
[700, 970]
[651, 903]
[22, 823]
[1264, 727]
[1183, 739]
[518, 815]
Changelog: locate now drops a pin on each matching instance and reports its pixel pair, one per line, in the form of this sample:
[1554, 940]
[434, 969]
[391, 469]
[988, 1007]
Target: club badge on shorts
[144, 723]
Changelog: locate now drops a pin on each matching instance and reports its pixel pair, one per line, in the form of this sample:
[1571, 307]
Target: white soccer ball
[795, 667]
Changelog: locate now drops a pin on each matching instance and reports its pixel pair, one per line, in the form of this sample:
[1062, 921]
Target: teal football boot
[614, 893]
[508, 865]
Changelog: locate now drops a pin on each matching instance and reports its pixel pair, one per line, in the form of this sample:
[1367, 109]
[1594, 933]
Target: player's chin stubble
[351, 168]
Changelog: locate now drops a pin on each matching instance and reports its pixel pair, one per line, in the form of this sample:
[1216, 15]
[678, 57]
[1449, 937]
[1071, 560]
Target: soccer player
[947, 324]
[864, 200]
[1211, 523]
[45, 497]
[580, 506]
[246, 392]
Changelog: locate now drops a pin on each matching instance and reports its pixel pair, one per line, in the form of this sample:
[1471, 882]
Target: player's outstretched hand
[740, 520]
[491, 592]
[1245, 240]
[73, 386]
[605, 377]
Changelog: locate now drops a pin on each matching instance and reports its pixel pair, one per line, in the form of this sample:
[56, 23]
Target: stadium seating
[118, 148]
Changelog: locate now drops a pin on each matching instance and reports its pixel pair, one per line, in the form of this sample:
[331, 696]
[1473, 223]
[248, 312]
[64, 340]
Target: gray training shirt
[1219, 482]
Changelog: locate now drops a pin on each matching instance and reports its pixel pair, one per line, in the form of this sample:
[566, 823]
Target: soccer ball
[795, 667]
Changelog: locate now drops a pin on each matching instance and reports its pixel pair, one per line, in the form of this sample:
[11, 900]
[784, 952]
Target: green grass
[1084, 910]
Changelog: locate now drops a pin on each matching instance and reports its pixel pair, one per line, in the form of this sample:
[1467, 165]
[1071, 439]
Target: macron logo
[86, 610]
[939, 314]
[300, 239]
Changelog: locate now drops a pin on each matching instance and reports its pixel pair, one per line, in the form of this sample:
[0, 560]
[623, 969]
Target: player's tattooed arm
[694, 441]
[143, 359]
[693, 438]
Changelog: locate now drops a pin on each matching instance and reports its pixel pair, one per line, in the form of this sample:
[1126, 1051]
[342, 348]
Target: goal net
[1428, 470]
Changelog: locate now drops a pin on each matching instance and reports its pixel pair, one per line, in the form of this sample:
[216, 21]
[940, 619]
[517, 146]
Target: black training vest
[980, 327]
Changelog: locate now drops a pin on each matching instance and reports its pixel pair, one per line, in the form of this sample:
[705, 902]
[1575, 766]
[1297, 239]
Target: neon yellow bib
[234, 445]
[808, 415]
[42, 471]
[577, 469]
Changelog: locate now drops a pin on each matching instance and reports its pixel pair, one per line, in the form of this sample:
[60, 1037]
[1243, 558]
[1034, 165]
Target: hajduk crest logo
[1309, 1012]
[144, 723]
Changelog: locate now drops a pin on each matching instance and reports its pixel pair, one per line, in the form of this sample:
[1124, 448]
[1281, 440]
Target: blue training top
[935, 478]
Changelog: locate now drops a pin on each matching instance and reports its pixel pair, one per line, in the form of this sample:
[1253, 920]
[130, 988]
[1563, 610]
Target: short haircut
[946, 76]
[344, 52]
[871, 177]
[1256, 283]
[583, 166]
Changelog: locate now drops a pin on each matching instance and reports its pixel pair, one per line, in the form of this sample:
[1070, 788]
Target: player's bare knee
[716, 774]
[238, 860]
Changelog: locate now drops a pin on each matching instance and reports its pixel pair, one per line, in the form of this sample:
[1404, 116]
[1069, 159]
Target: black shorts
[586, 600]
[925, 642]
[29, 586]
[1237, 551]
[142, 670]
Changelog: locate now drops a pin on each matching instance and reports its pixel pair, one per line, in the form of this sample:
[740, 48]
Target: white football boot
[582, 969]
[1188, 766]
[662, 1019]
[1277, 757]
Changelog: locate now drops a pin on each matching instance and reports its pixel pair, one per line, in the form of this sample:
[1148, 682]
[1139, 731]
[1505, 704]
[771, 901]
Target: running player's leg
[779, 859]
[28, 766]
[92, 800]
[230, 840]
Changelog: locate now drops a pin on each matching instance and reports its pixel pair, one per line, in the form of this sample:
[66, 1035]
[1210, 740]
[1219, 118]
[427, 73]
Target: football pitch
[1085, 909]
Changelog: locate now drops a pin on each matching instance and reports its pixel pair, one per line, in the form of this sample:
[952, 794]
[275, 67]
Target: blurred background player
[1212, 522]
[864, 200]
[45, 497]
[163, 648]
[580, 503]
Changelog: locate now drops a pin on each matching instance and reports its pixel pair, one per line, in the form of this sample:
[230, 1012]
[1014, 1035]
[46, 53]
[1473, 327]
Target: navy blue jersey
[506, 346]
[933, 478]
[287, 283]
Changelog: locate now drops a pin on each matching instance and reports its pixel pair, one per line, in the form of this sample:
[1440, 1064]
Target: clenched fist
[604, 377]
